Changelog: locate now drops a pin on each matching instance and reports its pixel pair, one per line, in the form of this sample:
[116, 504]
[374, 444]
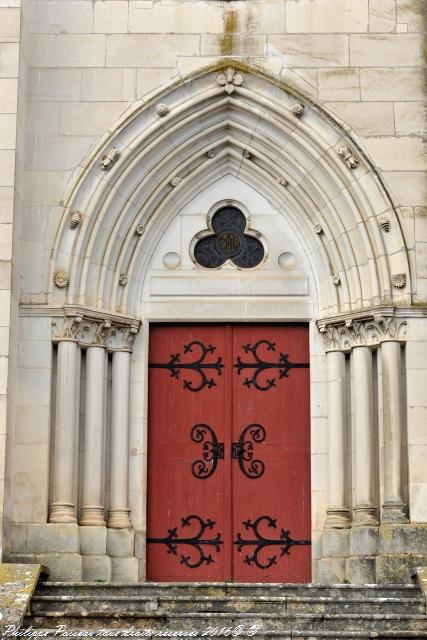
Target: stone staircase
[213, 609]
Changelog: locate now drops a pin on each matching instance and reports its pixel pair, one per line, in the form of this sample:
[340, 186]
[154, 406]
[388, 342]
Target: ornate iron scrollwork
[172, 541]
[244, 451]
[212, 451]
[175, 366]
[285, 542]
[259, 365]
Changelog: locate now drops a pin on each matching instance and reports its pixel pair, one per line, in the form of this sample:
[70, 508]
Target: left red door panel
[189, 505]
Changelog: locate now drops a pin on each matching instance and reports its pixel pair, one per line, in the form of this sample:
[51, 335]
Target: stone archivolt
[208, 115]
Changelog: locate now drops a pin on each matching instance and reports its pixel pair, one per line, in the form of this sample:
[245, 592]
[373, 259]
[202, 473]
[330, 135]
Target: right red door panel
[271, 436]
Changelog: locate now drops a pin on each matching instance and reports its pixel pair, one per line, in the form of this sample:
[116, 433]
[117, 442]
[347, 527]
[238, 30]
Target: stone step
[210, 589]
[285, 622]
[263, 603]
[265, 635]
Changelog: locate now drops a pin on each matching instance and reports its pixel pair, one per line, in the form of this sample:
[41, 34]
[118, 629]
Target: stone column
[394, 508]
[92, 511]
[363, 436]
[63, 507]
[118, 515]
[338, 515]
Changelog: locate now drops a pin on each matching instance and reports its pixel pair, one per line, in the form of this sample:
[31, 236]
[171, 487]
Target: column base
[337, 519]
[394, 513]
[119, 519]
[92, 516]
[365, 516]
[62, 512]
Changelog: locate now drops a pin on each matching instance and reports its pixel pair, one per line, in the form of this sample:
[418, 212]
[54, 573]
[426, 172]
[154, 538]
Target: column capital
[121, 338]
[91, 328]
[370, 330]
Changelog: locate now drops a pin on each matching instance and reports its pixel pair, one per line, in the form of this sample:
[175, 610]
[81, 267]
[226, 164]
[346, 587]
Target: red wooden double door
[229, 454]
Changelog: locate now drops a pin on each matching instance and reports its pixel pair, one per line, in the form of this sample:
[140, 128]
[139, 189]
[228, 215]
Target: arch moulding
[236, 121]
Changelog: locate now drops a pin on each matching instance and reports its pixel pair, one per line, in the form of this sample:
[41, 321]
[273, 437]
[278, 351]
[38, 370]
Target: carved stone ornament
[343, 336]
[348, 156]
[297, 110]
[121, 338]
[211, 153]
[175, 181]
[398, 280]
[247, 155]
[110, 158]
[230, 79]
[95, 332]
[75, 219]
[61, 279]
[139, 229]
[162, 110]
[318, 228]
[123, 279]
[67, 328]
[336, 279]
[384, 223]
[282, 181]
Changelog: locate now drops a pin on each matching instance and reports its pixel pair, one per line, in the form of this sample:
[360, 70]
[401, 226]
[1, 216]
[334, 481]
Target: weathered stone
[62, 566]
[43, 538]
[93, 540]
[96, 568]
[398, 568]
[403, 538]
[363, 541]
[120, 542]
[331, 570]
[125, 569]
[336, 543]
[360, 570]
[17, 585]
[140, 544]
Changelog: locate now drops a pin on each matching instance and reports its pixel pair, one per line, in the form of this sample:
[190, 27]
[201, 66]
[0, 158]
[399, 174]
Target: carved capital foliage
[367, 331]
[94, 332]
[102, 332]
[121, 338]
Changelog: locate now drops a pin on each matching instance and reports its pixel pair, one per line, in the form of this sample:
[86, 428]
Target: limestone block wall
[13, 89]
[89, 60]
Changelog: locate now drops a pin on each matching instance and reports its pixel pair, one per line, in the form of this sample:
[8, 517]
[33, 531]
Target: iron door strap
[212, 451]
[175, 366]
[243, 451]
[197, 542]
[260, 542]
[259, 366]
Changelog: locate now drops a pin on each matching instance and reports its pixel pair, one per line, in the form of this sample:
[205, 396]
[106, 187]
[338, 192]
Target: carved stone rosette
[102, 332]
[369, 331]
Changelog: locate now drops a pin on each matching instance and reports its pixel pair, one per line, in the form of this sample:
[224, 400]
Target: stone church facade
[125, 126]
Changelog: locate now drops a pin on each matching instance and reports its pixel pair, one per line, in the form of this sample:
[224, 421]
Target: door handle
[243, 451]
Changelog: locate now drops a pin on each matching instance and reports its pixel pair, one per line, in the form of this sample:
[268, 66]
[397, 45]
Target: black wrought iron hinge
[218, 450]
[243, 451]
[236, 450]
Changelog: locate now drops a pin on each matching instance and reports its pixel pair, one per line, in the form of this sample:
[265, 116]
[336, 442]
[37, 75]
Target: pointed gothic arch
[185, 138]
